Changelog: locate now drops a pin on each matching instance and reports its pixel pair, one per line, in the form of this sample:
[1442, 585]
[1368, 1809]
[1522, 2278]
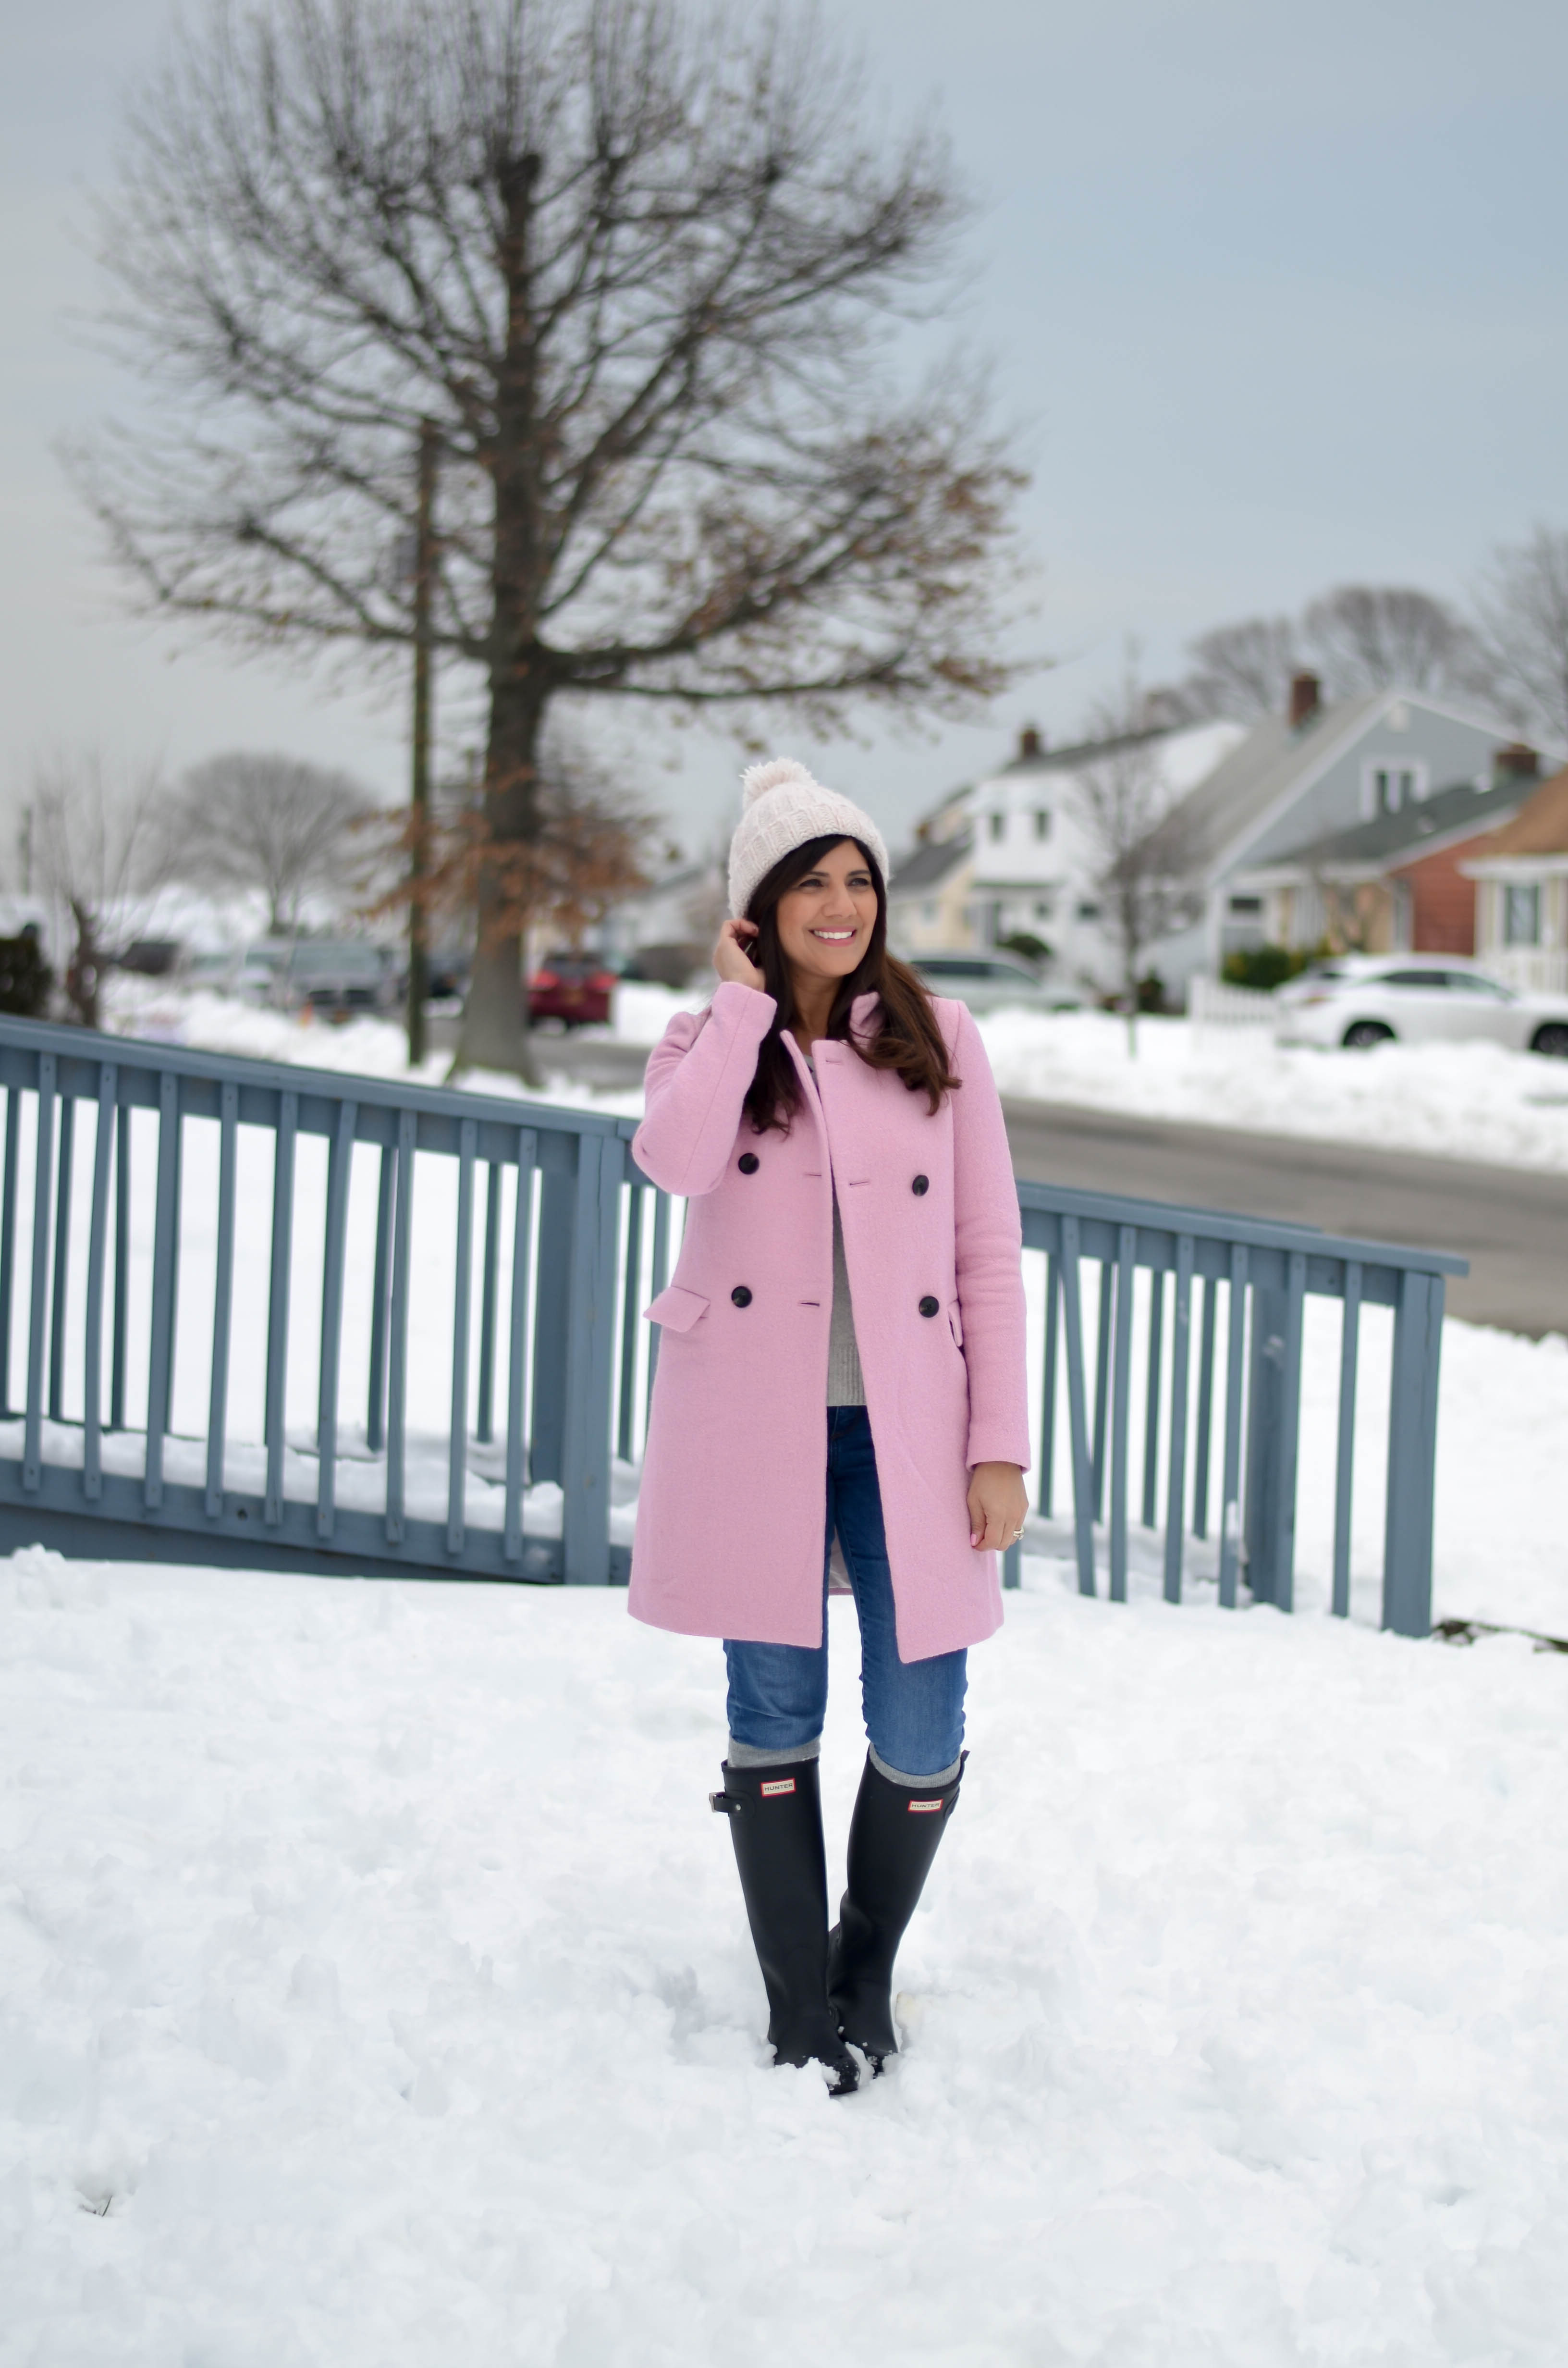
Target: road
[1511, 1222]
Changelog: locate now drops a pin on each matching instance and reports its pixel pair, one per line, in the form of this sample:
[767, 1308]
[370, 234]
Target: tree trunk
[496, 1030]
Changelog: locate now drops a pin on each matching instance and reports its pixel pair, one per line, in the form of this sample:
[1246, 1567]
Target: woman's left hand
[998, 1504]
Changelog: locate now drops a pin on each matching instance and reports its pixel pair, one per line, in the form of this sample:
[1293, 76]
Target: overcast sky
[1276, 297]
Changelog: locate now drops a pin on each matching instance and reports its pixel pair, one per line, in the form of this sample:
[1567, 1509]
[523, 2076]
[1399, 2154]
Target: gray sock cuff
[758, 1754]
[914, 1783]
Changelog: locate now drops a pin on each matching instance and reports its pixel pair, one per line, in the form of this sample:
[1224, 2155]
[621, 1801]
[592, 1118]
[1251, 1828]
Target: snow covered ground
[377, 1995]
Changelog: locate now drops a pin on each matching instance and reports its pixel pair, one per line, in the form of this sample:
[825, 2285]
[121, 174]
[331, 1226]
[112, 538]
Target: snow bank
[376, 1991]
[1461, 1102]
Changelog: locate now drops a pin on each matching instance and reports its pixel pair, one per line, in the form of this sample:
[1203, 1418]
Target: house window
[1088, 912]
[1043, 907]
[1247, 908]
[1388, 787]
[930, 909]
[998, 826]
[1042, 822]
[1521, 916]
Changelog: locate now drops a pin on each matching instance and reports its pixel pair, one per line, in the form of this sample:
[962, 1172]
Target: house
[1297, 780]
[1013, 856]
[671, 924]
[1400, 882]
[1521, 893]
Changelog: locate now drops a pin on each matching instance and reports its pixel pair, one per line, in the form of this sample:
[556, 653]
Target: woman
[841, 1353]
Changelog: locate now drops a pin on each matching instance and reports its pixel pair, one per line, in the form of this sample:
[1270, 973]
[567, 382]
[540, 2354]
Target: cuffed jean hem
[760, 1755]
[917, 1783]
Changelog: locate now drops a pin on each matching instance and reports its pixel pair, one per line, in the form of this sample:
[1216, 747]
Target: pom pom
[779, 772]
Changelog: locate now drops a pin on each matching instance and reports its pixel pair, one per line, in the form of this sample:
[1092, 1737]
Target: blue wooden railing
[284, 1318]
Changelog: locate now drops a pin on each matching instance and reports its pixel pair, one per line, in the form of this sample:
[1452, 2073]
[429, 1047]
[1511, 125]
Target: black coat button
[921, 1184]
[742, 1296]
[929, 1307]
[748, 1163]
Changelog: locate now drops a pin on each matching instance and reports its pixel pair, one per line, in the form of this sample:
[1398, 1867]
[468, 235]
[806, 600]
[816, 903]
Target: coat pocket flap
[956, 1321]
[676, 1308]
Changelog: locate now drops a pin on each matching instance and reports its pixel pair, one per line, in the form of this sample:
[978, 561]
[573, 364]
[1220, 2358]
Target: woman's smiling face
[825, 920]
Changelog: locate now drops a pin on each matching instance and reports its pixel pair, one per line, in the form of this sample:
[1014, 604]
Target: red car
[573, 989]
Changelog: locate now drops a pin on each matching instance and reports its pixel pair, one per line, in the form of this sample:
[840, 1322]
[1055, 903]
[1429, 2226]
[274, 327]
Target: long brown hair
[907, 1041]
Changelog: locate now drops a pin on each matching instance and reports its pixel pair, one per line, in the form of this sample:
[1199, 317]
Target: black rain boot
[893, 1840]
[776, 1820]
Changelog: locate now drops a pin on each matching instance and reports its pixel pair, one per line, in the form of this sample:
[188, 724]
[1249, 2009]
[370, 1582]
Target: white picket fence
[1211, 1003]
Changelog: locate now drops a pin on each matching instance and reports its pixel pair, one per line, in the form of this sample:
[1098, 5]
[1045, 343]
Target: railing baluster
[222, 1299]
[276, 1428]
[98, 1251]
[1104, 1320]
[38, 1298]
[1048, 1386]
[590, 1335]
[1236, 1383]
[1181, 1362]
[1345, 1460]
[462, 1296]
[121, 1344]
[628, 1322]
[657, 1282]
[376, 1410]
[62, 1257]
[1413, 1443]
[1078, 1420]
[339, 1167]
[8, 1242]
[485, 1423]
[165, 1264]
[397, 1346]
[1121, 1409]
[1152, 1397]
[1201, 1451]
[517, 1343]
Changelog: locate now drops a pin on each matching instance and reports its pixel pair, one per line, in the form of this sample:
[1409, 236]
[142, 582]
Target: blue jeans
[913, 1710]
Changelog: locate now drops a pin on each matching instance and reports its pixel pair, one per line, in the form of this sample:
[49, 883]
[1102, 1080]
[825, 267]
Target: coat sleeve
[698, 1075]
[989, 1257]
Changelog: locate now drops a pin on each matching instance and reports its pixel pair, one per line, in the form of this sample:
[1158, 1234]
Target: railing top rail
[89, 1048]
[1214, 1224]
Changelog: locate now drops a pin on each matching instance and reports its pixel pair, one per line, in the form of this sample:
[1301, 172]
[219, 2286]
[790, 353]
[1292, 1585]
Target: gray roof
[928, 865]
[1460, 812]
[1261, 769]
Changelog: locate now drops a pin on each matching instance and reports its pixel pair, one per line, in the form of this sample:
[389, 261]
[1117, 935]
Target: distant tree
[100, 852]
[26, 978]
[1389, 637]
[1522, 610]
[268, 823]
[1242, 671]
[1143, 855]
[641, 268]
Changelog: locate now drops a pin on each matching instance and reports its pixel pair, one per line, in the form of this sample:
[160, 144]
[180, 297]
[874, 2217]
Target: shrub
[24, 977]
[1264, 967]
[1026, 945]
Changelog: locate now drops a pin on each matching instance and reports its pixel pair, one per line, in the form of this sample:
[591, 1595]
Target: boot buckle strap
[725, 1804]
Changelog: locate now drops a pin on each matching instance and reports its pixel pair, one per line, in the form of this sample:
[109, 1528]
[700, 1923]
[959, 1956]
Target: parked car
[991, 981]
[572, 990]
[338, 975]
[1358, 1000]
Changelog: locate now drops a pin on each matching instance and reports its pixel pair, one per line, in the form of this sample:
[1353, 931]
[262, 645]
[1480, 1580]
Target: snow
[377, 1990]
[1460, 1101]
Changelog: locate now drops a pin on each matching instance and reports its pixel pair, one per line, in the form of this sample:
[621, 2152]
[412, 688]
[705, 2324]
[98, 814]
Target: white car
[1363, 999]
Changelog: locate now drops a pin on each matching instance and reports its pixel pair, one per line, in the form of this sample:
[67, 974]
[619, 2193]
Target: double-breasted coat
[731, 1519]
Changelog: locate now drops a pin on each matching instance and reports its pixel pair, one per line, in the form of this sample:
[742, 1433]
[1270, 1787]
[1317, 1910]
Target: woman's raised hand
[731, 960]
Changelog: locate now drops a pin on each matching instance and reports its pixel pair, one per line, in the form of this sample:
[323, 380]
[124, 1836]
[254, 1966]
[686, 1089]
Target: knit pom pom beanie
[784, 808]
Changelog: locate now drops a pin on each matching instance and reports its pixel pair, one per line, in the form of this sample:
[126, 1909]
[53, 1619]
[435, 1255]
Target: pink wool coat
[732, 1511]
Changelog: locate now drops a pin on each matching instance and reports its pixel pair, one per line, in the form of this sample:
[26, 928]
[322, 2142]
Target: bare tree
[1242, 670]
[643, 271]
[1522, 606]
[271, 822]
[1389, 637]
[1144, 860]
[100, 853]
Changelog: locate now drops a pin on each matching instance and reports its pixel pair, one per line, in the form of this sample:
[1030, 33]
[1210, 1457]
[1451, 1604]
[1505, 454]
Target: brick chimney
[1030, 741]
[1306, 697]
[1515, 762]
